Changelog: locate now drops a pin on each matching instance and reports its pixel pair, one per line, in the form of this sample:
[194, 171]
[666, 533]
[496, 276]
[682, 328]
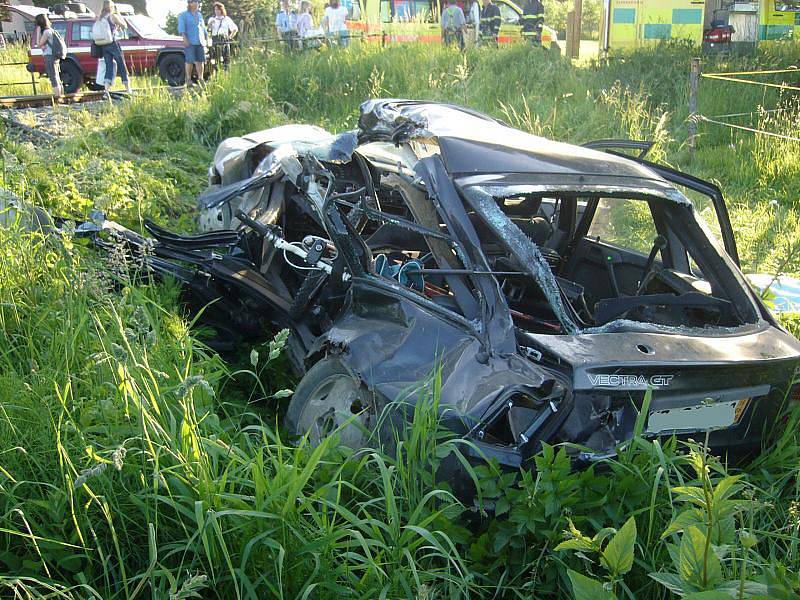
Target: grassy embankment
[134, 463]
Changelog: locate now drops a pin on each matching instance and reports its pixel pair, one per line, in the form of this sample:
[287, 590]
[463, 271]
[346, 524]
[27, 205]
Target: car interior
[631, 258]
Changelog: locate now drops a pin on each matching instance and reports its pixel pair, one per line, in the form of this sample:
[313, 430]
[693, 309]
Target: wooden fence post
[577, 31]
[694, 83]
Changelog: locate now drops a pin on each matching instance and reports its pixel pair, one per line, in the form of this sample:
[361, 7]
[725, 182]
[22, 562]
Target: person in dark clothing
[490, 22]
[533, 21]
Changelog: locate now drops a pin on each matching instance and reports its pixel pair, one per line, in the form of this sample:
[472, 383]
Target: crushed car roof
[474, 143]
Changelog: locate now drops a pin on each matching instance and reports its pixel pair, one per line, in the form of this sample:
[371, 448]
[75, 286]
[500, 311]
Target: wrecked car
[552, 285]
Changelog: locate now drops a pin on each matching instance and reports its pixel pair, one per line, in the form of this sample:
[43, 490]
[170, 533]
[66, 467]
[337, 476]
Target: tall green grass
[11, 72]
[135, 463]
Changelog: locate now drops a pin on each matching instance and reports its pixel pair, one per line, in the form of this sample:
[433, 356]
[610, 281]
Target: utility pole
[574, 19]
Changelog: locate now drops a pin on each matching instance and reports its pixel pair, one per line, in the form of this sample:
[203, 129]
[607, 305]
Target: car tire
[71, 76]
[328, 399]
[172, 69]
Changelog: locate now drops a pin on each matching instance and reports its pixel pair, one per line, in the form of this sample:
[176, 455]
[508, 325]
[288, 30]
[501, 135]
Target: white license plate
[699, 417]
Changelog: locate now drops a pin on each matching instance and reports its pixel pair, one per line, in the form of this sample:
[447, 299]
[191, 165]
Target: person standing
[223, 30]
[474, 20]
[453, 24]
[112, 52]
[533, 21]
[286, 25]
[490, 22]
[195, 39]
[334, 22]
[52, 62]
[305, 23]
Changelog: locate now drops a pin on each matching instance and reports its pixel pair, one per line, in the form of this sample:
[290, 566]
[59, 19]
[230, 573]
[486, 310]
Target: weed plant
[136, 463]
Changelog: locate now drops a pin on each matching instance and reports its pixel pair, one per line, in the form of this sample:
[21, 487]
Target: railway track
[45, 100]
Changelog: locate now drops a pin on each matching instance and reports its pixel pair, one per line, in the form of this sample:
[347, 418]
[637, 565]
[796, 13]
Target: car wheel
[172, 69]
[71, 77]
[330, 398]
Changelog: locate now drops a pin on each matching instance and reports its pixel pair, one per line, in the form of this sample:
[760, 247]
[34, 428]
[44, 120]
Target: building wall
[17, 27]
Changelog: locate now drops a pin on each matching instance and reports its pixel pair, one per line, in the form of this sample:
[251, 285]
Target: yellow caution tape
[775, 72]
[780, 86]
[749, 129]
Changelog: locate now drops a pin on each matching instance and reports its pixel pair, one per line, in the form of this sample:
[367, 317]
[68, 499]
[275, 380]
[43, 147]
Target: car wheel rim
[334, 405]
[67, 79]
[174, 71]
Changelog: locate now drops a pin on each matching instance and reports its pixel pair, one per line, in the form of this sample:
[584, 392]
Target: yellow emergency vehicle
[393, 21]
[632, 23]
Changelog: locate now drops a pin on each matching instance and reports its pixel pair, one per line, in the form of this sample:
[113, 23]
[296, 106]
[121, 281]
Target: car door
[510, 27]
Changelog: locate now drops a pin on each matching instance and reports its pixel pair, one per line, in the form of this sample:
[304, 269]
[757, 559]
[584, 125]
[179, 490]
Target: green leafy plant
[616, 553]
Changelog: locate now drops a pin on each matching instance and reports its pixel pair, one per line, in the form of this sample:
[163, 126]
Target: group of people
[109, 28]
[199, 35]
[106, 33]
[297, 31]
[485, 21]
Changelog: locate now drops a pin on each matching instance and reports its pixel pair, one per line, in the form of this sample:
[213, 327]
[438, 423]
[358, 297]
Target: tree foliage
[248, 14]
[555, 12]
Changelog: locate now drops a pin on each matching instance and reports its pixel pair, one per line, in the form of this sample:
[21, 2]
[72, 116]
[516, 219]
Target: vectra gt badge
[634, 382]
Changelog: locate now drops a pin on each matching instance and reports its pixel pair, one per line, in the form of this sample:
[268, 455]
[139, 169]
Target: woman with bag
[52, 62]
[223, 30]
[104, 34]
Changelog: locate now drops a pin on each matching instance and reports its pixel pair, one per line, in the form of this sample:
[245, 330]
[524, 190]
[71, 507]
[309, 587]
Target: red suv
[147, 47]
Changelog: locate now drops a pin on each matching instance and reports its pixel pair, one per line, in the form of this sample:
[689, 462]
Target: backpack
[58, 46]
[101, 33]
